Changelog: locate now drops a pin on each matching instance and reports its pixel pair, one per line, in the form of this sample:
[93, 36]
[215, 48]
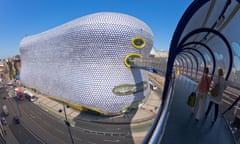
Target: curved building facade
[86, 61]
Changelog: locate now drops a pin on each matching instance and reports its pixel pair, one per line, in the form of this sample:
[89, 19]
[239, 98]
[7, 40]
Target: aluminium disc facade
[85, 61]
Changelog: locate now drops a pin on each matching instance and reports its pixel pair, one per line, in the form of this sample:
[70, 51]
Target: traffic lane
[94, 138]
[96, 126]
[2, 89]
[35, 126]
[59, 129]
[79, 135]
[102, 127]
[10, 138]
[22, 135]
[115, 129]
[19, 132]
[44, 120]
[3, 93]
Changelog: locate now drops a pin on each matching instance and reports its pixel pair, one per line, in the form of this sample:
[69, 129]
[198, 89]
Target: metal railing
[157, 130]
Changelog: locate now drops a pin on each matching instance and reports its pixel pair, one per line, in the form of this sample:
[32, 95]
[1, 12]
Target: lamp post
[67, 122]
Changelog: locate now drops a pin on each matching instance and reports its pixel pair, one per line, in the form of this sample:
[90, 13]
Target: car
[5, 110]
[9, 84]
[16, 119]
[31, 98]
[20, 97]
[153, 85]
[4, 120]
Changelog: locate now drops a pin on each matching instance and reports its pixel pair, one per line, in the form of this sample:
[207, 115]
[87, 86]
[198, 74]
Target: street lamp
[67, 123]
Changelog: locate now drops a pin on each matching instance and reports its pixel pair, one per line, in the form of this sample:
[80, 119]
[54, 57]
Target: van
[30, 96]
[5, 110]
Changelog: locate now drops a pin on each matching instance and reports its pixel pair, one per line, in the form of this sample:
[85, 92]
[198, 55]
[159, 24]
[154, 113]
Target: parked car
[20, 97]
[4, 120]
[5, 110]
[30, 96]
[153, 86]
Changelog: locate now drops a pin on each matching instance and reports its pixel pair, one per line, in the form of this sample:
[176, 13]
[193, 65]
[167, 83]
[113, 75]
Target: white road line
[113, 128]
[59, 131]
[76, 138]
[31, 115]
[92, 143]
[46, 123]
[114, 141]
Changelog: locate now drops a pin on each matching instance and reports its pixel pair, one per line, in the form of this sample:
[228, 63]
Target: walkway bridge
[207, 35]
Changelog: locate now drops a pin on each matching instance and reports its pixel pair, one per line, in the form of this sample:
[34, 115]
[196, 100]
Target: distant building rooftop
[1, 64]
[159, 53]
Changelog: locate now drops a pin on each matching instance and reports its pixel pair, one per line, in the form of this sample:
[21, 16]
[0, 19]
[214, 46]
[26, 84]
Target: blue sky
[19, 18]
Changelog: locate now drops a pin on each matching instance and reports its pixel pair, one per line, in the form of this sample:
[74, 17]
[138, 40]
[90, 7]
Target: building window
[138, 42]
[129, 59]
[128, 89]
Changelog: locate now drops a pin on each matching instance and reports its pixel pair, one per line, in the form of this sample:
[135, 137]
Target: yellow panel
[136, 44]
[129, 55]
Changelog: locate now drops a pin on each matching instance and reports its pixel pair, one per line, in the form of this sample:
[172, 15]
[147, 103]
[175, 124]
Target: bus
[18, 93]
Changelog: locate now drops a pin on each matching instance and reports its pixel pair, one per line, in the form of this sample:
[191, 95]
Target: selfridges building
[87, 61]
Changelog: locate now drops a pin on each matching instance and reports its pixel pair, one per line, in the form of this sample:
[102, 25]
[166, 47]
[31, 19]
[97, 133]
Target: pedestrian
[216, 99]
[201, 92]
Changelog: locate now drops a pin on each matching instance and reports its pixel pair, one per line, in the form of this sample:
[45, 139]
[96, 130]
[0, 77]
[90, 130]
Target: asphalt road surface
[38, 126]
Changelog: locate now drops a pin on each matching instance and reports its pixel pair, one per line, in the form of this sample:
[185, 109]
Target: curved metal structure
[209, 30]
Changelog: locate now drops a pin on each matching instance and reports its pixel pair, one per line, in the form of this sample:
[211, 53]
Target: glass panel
[128, 89]
[231, 95]
[235, 73]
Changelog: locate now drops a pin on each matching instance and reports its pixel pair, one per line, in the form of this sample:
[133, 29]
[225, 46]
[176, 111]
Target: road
[38, 126]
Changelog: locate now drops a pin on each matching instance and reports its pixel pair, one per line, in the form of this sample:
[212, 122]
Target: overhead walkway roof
[207, 35]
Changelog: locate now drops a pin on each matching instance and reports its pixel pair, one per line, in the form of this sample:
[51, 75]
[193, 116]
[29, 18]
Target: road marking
[114, 141]
[113, 128]
[33, 116]
[76, 138]
[60, 131]
[92, 143]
